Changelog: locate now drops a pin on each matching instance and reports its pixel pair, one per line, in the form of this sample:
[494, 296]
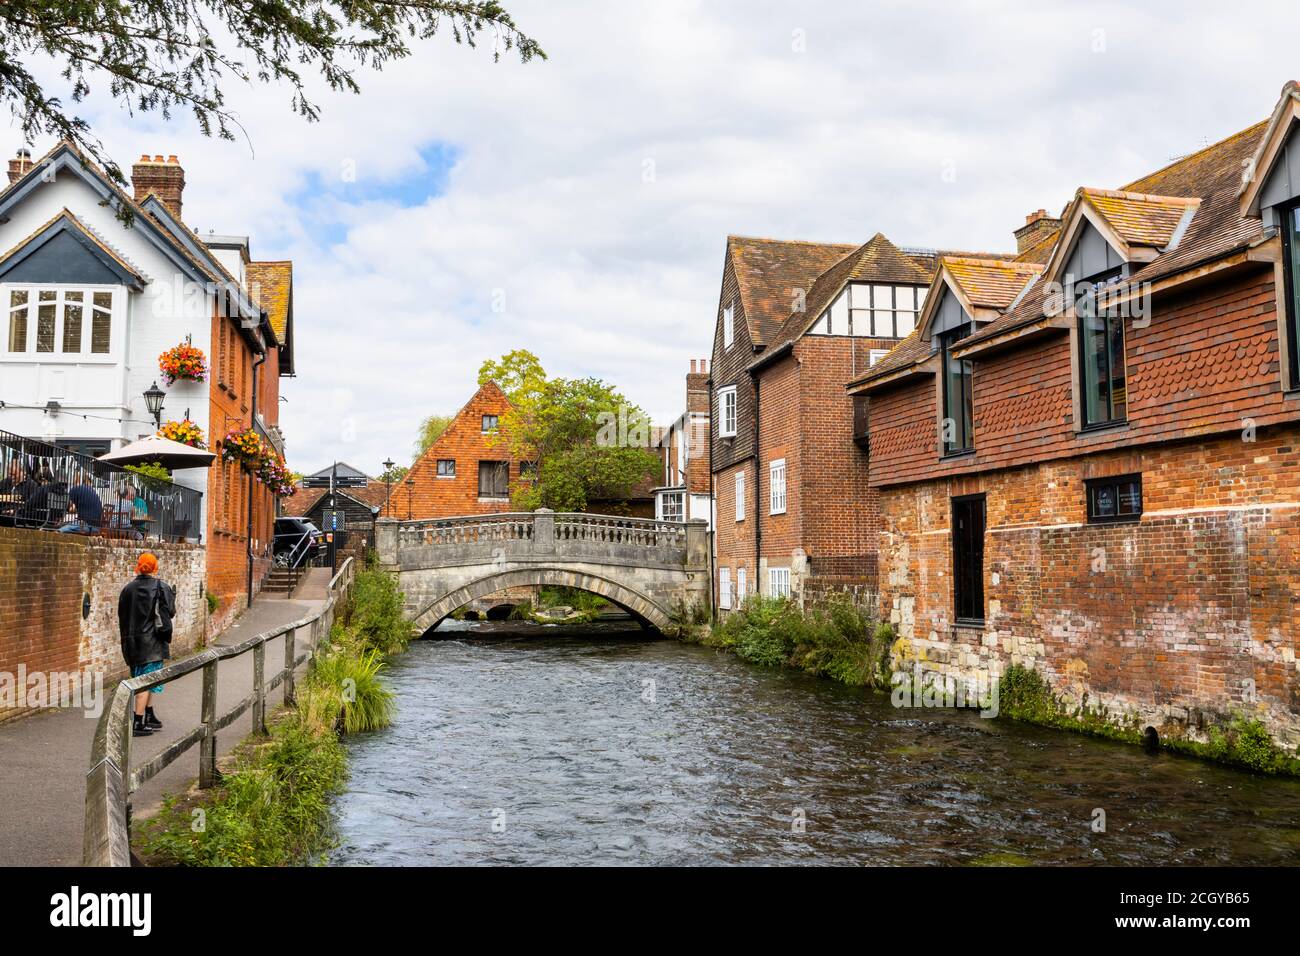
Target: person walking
[145, 609]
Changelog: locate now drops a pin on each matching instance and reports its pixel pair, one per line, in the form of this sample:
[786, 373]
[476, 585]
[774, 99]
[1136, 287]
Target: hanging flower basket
[259, 459]
[185, 432]
[277, 477]
[183, 363]
[245, 446]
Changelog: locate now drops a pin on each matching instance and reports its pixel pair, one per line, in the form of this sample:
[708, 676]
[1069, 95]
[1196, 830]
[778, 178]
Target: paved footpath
[43, 759]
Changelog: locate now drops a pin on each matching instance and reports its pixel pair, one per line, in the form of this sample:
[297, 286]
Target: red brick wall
[463, 441]
[230, 407]
[43, 578]
[1167, 619]
[840, 513]
[734, 540]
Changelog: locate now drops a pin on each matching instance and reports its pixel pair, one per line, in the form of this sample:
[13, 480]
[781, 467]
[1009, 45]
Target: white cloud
[606, 274]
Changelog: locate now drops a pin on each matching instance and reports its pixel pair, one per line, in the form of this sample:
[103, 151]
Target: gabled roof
[65, 223]
[980, 285]
[1271, 147]
[195, 248]
[344, 471]
[1138, 226]
[1212, 175]
[771, 272]
[65, 156]
[876, 260]
[984, 283]
[271, 286]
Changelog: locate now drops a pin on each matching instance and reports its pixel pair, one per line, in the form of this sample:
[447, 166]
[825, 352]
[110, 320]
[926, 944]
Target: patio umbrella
[172, 455]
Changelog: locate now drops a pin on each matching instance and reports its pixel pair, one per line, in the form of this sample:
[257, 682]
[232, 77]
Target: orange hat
[148, 564]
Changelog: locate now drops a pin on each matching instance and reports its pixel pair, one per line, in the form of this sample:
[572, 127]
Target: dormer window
[728, 325]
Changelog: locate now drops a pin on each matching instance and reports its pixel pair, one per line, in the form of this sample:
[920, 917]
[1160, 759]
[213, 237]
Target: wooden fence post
[289, 653]
[208, 714]
[259, 688]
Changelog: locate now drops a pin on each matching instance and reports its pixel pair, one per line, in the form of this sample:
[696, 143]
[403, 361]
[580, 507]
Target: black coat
[140, 606]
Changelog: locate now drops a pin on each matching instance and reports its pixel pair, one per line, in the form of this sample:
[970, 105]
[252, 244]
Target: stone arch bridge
[646, 567]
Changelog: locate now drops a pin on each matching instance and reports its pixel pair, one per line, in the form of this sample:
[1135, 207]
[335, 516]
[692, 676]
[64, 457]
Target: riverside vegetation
[845, 642]
[272, 806]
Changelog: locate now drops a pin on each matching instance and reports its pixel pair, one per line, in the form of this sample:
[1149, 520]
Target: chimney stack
[163, 177]
[19, 165]
[697, 387]
[1038, 225]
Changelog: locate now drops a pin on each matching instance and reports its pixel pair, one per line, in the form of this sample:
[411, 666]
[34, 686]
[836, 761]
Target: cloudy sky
[579, 207]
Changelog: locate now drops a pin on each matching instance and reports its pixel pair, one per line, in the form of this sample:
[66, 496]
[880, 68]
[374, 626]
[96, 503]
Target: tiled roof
[768, 273]
[990, 283]
[373, 494]
[1142, 213]
[1138, 218]
[270, 284]
[876, 260]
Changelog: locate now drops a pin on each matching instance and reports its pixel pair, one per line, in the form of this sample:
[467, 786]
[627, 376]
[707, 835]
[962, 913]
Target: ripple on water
[552, 749]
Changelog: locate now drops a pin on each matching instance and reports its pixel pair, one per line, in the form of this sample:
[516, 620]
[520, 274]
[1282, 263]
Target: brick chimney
[697, 387]
[1038, 225]
[163, 177]
[19, 165]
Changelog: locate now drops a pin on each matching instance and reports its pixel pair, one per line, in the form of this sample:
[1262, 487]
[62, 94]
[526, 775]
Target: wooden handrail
[110, 780]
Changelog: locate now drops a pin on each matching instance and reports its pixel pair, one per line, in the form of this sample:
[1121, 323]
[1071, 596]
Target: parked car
[297, 541]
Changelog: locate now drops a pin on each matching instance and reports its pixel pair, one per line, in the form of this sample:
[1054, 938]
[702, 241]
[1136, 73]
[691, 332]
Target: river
[518, 744]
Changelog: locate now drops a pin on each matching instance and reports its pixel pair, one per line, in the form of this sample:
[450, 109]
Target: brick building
[96, 283]
[684, 489]
[796, 320]
[1088, 462]
[467, 471]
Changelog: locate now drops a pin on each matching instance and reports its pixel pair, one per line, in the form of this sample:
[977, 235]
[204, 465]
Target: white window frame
[728, 392]
[724, 588]
[776, 487]
[116, 318]
[729, 325]
[740, 585]
[679, 497]
[740, 495]
[778, 582]
[875, 355]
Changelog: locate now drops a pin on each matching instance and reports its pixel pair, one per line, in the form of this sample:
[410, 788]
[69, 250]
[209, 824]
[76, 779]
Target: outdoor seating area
[44, 487]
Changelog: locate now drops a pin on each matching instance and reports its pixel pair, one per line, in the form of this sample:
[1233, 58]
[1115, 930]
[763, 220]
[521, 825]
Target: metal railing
[111, 781]
[44, 486]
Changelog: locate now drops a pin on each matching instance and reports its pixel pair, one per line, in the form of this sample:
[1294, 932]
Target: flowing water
[516, 744]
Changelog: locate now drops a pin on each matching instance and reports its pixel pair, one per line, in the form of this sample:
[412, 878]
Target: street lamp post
[410, 487]
[388, 481]
[153, 400]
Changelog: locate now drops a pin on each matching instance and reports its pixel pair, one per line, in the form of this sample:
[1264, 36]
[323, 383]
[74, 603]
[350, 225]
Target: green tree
[160, 55]
[431, 430]
[520, 375]
[588, 442]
